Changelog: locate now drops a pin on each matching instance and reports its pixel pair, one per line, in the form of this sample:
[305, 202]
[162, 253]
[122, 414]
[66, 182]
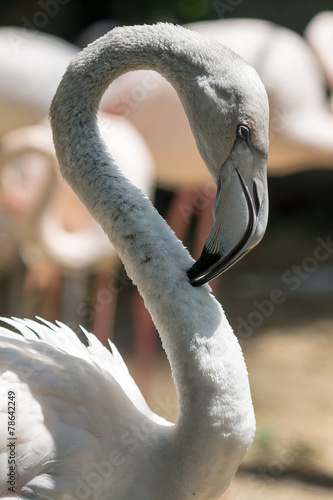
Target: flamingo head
[229, 116]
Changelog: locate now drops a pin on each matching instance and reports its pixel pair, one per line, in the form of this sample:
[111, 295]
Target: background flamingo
[319, 35]
[32, 64]
[61, 245]
[51, 226]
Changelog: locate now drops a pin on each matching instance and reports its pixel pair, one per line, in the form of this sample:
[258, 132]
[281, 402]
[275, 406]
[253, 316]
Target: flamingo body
[53, 222]
[32, 64]
[319, 34]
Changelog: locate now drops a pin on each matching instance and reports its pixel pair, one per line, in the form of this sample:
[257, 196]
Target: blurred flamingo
[319, 35]
[58, 238]
[32, 64]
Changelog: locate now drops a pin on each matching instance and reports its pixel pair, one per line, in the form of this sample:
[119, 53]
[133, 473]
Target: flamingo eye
[243, 132]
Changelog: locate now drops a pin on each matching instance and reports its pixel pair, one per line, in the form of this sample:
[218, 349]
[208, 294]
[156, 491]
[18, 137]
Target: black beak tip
[193, 276]
[199, 273]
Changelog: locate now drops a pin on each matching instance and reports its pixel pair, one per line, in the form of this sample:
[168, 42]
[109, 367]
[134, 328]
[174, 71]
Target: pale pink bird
[319, 35]
[56, 234]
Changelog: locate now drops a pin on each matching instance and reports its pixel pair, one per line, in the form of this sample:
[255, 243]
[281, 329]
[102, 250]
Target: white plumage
[83, 428]
[32, 64]
[59, 383]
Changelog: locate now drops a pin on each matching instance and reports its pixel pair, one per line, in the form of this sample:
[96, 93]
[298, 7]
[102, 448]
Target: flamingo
[32, 64]
[319, 35]
[54, 205]
[56, 234]
[84, 429]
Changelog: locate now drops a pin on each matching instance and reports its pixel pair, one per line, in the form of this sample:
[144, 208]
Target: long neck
[215, 409]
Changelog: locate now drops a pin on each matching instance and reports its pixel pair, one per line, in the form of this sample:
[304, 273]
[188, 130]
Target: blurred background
[55, 262]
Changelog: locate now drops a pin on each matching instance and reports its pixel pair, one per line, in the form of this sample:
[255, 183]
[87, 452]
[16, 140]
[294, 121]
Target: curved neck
[155, 260]
[206, 362]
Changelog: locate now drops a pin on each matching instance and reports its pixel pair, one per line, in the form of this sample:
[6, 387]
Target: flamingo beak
[240, 216]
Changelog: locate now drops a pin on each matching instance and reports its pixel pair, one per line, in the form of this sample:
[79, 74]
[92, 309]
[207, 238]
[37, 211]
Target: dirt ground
[291, 374]
[242, 489]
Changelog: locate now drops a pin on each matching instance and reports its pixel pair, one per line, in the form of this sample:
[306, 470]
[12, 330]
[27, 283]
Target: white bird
[32, 64]
[319, 34]
[62, 225]
[56, 233]
[83, 429]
